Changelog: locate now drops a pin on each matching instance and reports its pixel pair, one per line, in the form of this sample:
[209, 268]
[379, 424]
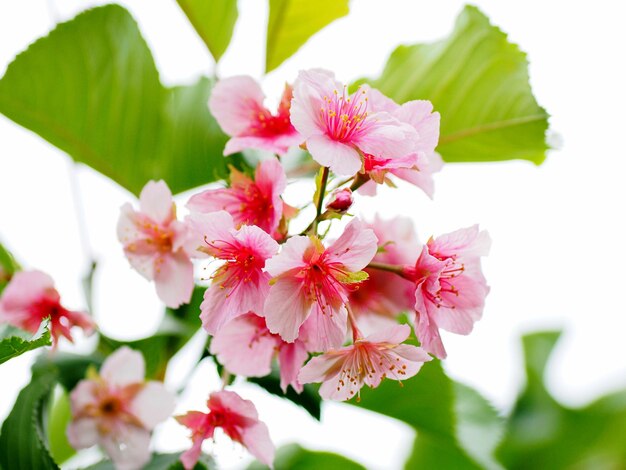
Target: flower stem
[392, 268]
[356, 333]
[320, 200]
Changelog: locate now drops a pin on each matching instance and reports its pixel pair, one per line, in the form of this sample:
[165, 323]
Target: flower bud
[341, 200]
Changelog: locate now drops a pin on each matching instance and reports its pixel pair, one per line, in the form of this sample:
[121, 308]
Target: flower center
[344, 115]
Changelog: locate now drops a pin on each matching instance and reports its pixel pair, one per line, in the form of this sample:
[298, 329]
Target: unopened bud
[341, 200]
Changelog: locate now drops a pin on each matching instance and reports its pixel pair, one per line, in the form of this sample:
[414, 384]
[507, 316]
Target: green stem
[320, 201]
[392, 268]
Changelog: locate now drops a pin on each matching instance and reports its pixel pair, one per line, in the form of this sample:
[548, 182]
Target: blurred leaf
[478, 81]
[214, 21]
[161, 462]
[542, 433]
[92, 89]
[294, 457]
[8, 266]
[292, 22]
[67, 368]
[17, 342]
[60, 416]
[22, 445]
[309, 399]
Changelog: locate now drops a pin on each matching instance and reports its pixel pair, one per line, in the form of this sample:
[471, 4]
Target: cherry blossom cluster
[327, 310]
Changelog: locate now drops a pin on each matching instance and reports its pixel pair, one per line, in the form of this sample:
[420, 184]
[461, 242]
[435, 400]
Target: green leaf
[309, 399]
[8, 266]
[92, 89]
[294, 457]
[161, 462]
[214, 21]
[17, 342]
[60, 416]
[542, 433]
[292, 22]
[478, 81]
[22, 441]
[67, 368]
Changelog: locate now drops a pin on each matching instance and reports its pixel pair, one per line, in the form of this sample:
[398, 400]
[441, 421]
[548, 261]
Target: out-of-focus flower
[239, 285]
[118, 409]
[368, 361]
[338, 127]
[246, 347]
[239, 420]
[30, 297]
[450, 286]
[237, 104]
[311, 284]
[340, 200]
[154, 243]
[249, 202]
[416, 166]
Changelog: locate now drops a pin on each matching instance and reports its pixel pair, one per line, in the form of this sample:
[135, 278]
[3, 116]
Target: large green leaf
[292, 22]
[92, 89]
[214, 21]
[542, 433]
[22, 440]
[16, 342]
[294, 457]
[478, 81]
[58, 419]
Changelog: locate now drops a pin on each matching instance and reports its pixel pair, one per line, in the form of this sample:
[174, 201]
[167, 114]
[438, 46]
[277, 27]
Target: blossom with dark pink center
[154, 243]
[339, 127]
[237, 105]
[311, 285]
[118, 409]
[366, 362]
[246, 347]
[240, 285]
[30, 297]
[450, 286]
[249, 202]
[416, 166]
[239, 420]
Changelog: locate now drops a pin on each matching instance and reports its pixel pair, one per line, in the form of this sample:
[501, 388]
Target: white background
[558, 257]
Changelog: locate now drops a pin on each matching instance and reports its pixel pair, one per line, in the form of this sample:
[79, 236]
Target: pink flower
[450, 287]
[384, 295]
[154, 243]
[118, 410]
[239, 285]
[341, 200]
[338, 127]
[416, 166]
[237, 104]
[246, 347]
[239, 420]
[249, 202]
[30, 297]
[367, 361]
[311, 283]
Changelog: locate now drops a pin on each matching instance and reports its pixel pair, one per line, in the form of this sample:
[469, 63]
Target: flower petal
[83, 433]
[156, 202]
[124, 367]
[235, 103]
[153, 404]
[341, 158]
[174, 279]
[355, 248]
[128, 447]
[286, 308]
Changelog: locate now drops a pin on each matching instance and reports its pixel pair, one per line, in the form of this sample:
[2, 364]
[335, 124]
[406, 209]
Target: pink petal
[286, 307]
[235, 102]
[321, 368]
[153, 404]
[378, 102]
[83, 433]
[428, 335]
[207, 228]
[341, 158]
[290, 256]
[174, 279]
[387, 137]
[234, 403]
[257, 440]
[394, 335]
[258, 240]
[123, 367]
[83, 395]
[355, 248]
[270, 178]
[291, 357]
[465, 243]
[128, 447]
[309, 90]
[214, 200]
[324, 330]
[410, 356]
[279, 144]
[156, 202]
[190, 457]
[242, 348]
[26, 288]
[419, 114]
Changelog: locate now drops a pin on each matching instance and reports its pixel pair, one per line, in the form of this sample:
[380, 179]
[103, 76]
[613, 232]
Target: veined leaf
[91, 88]
[17, 342]
[213, 20]
[292, 22]
[478, 81]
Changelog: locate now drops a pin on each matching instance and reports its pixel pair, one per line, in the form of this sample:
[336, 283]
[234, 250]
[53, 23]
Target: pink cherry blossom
[30, 297]
[311, 285]
[239, 285]
[338, 127]
[239, 420]
[384, 295]
[237, 104]
[416, 166]
[249, 202]
[450, 286]
[340, 200]
[154, 243]
[118, 409]
[368, 361]
[246, 347]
